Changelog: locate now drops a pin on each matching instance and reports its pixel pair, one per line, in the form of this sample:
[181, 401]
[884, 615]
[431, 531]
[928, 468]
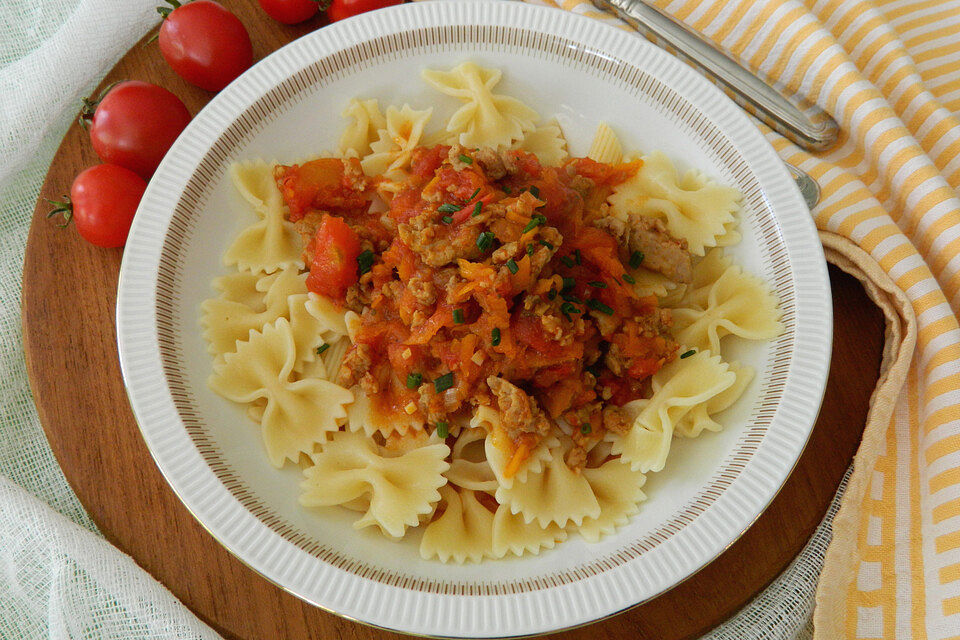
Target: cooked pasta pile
[472, 333]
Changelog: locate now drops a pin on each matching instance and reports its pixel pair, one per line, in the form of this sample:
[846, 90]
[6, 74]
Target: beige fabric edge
[840, 562]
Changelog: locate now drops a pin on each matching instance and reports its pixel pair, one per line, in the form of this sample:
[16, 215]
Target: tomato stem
[89, 105]
[65, 208]
[166, 11]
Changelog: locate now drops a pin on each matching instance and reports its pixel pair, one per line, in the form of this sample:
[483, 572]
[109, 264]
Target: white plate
[287, 108]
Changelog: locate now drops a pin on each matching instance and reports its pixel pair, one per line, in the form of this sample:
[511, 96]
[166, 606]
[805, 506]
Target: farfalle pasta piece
[605, 146]
[486, 119]
[512, 535]
[363, 416]
[651, 283]
[737, 304]
[254, 181]
[547, 143]
[297, 414]
[499, 449]
[365, 121]
[700, 417]
[330, 316]
[704, 274]
[555, 494]
[693, 208]
[392, 150]
[464, 532]
[469, 468]
[400, 489]
[677, 389]
[231, 316]
[617, 487]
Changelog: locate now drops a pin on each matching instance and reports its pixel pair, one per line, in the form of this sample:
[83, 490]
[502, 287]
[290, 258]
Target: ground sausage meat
[519, 413]
[661, 251]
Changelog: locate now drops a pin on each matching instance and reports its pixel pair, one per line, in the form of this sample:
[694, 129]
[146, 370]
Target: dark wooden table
[69, 293]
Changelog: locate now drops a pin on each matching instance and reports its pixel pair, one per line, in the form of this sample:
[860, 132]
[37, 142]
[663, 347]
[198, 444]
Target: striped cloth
[889, 73]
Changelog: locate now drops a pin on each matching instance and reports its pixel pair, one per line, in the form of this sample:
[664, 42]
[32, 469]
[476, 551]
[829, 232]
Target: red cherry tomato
[205, 44]
[103, 200]
[334, 267]
[290, 11]
[340, 9]
[134, 125]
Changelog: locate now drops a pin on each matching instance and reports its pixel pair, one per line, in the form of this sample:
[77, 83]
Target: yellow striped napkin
[889, 73]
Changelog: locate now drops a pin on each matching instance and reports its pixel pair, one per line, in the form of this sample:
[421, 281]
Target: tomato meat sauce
[483, 278]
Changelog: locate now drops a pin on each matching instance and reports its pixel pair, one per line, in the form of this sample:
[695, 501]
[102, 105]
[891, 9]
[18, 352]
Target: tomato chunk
[334, 266]
[320, 184]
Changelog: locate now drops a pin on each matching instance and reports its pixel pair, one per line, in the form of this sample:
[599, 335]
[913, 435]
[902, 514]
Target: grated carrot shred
[520, 455]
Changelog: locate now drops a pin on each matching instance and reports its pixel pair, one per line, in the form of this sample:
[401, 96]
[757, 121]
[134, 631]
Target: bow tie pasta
[466, 329]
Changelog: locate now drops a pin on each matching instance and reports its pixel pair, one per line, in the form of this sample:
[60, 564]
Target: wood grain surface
[69, 292]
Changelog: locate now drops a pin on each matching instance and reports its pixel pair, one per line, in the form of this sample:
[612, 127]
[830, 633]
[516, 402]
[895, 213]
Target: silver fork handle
[811, 128]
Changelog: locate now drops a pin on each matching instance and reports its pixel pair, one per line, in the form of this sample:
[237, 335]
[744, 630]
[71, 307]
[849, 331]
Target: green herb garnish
[586, 429]
[535, 222]
[485, 240]
[530, 249]
[465, 159]
[629, 278]
[548, 245]
[446, 219]
[495, 337]
[474, 194]
[567, 262]
[568, 283]
[576, 256]
[636, 258]
[322, 348]
[597, 284]
[448, 208]
[596, 305]
[443, 383]
[364, 261]
[535, 191]
[414, 380]
[687, 354]
[443, 429]
[476, 209]
[458, 316]
[512, 265]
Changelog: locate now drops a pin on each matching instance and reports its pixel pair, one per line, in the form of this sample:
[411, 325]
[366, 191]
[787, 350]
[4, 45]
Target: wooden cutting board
[69, 293]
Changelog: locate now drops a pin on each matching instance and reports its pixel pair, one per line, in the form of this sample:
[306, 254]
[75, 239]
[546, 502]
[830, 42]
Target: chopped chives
[443, 383]
[474, 194]
[530, 249]
[465, 159]
[568, 283]
[576, 256]
[535, 222]
[414, 380]
[507, 190]
[476, 209]
[629, 278]
[586, 429]
[485, 240]
[551, 294]
[446, 219]
[448, 208]
[596, 305]
[687, 354]
[458, 316]
[571, 298]
[443, 429]
[495, 337]
[635, 259]
[548, 245]
[512, 265]
[535, 191]
[322, 348]
[364, 261]
[567, 261]
[568, 307]
[597, 284]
